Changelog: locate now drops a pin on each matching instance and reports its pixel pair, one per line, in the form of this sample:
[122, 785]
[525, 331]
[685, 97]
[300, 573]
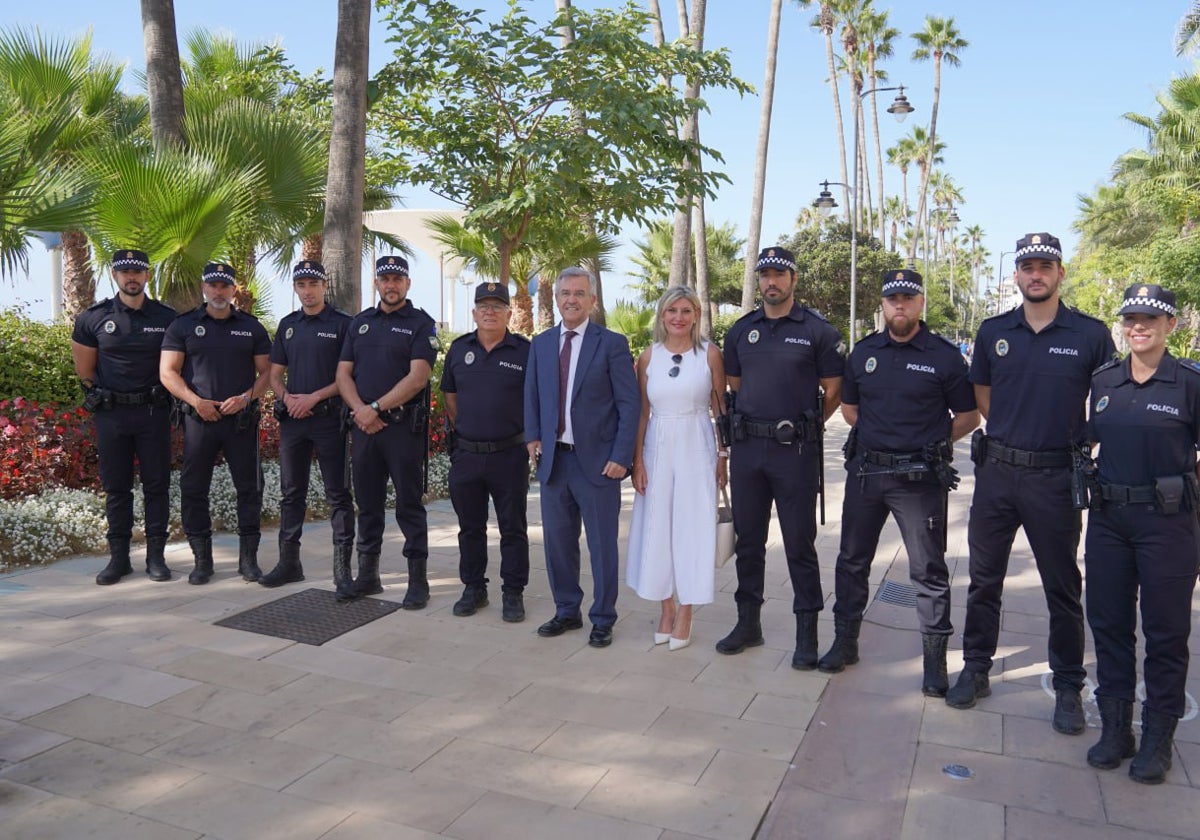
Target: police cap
[498, 291]
[130, 260]
[308, 268]
[391, 265]
[776, 257]
[902, 281]
[1038, 246]
[216, 272]
[1148, 299]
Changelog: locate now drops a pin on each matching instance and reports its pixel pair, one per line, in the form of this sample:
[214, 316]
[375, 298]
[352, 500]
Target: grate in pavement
[312, 617]
[900, 594]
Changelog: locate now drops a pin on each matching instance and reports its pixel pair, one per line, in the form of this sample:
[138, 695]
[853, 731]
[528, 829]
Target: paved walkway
[125, 713]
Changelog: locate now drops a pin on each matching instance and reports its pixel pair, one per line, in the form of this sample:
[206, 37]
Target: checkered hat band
[128, 262]
[775, 262]
[1039, 250]
[223, 276]
[308, 272]
[907, 287]
[1151, 302]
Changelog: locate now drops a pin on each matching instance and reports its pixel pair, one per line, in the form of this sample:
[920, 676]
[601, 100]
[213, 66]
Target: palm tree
[1188, 35]
[164, 81]
[921, 148]
[824, 22]
[901, 156]
[894, 212]
[878, 36]
[940, 40]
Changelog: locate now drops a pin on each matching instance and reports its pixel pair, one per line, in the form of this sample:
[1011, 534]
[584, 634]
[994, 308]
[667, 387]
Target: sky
[1032, 118]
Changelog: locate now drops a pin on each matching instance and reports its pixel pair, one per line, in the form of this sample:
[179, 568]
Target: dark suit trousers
[569, 498]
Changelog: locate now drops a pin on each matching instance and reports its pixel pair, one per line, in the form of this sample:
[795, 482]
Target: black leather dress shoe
[601, 636]
[557, 626]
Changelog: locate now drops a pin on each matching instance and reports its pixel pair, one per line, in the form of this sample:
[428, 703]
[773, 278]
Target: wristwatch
[375, 405]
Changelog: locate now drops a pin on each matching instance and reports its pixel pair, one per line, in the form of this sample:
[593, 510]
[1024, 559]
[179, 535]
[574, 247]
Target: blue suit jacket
[605, 404]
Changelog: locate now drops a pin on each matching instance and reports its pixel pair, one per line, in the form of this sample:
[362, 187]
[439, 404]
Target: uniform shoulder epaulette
[291, 316]
[816, 314]
[1111, 363]
[943, 338]
[1190, 364]
[342, 313]
[98, 305]
[520, 338]
[1090, 317]
[462, 337]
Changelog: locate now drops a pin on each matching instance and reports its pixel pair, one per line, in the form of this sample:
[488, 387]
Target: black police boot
[343, 582]
[933, 649]
[513, 609]
[156, 562]
[971, 686]
[202, 552]
[118, 562]
[248, 558]
[746, 633]
[805, 657]
[474, 596]
[1153, 758]
[1068, 712]
[367, 582]
[417, 595]
[1116, 734]
[288, 570]
[844, 650]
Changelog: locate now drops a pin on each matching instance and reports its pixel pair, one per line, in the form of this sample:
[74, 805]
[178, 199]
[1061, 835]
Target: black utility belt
[487, 447]
[780, 431]
[102, 399]
[1169, 494]
[895, 459]
[329, 405]
[1045, 459]
[150, 395]
[190, 411]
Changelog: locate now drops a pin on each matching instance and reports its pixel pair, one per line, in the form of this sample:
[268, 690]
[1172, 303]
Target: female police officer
[1144, 535]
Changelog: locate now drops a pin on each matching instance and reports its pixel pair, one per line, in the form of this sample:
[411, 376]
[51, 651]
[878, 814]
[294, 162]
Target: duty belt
[487, 447]
[1025, 458]
[1125, 493]
[778, 430]
[893, 459]
[133, 397]
[190, 411]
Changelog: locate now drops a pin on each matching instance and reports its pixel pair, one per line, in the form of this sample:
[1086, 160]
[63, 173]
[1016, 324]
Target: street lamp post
[953, 221]
[1000, 275]
[900, 108]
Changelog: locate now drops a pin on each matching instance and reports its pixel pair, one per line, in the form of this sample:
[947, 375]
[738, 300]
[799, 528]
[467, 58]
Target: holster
[248, 417]
[737, 427]
[850, 447]
[978, 446]
[97, 399]
[1170, 494]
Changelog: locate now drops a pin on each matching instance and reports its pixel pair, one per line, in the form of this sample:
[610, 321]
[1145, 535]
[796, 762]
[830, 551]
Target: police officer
[483, 380]
[304, 359]
[384, 370]
[215, 361]
[1143, 542]
[115, 345]
[778, 359]
[907, 398]
[1031, 370]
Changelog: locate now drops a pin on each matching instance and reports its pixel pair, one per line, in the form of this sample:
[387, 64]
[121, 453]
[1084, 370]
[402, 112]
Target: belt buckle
[785, 432]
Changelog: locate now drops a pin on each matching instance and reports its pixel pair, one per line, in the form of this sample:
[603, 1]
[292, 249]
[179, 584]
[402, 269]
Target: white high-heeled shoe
[661, 638]
[678, 644]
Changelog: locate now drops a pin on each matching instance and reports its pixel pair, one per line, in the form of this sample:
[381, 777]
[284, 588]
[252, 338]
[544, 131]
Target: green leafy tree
[725, 263]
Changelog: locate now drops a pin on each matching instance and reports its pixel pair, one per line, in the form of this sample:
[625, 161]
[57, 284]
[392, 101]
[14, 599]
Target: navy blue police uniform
[489, 458]
[780, 362]
[309, 347]
[1143, 540]
[1039, 384]
[899, 463]
[130, 409]
[219, 363]
[382, 345]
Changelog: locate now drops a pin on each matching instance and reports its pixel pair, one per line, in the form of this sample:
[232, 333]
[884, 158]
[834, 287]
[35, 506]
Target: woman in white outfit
[677, 467]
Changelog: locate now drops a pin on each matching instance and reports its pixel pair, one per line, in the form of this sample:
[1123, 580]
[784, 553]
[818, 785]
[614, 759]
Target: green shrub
[35, 360]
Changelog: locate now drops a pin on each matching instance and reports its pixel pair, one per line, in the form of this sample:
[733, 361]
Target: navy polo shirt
[1039, 381]
[127, 340]
[1146, 430]
[490, 386]
[781, 362]
[905, 391]
[383, 345]
[218, 352]
[309, 346]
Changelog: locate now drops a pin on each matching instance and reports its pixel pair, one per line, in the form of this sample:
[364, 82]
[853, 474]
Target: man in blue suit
[581, 416]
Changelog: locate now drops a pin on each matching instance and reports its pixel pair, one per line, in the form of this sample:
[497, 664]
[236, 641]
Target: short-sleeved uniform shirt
[218, 352]
[490, 386]
[383, 345]
[309, 346]
[127, 340]
[781, 362]
[1039, 381]
[1147, 430]
[905, 391]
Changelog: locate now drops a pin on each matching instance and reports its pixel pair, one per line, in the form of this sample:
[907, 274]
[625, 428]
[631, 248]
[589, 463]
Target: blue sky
[1031, 118]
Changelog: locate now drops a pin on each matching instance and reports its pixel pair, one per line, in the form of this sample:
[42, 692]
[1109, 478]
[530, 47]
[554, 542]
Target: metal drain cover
[900, 594]
[312, 617]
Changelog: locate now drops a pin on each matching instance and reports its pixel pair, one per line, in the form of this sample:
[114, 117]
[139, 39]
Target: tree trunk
[681, 264]
[699, 229]
[79, 282]
[521, 319]
[545, 302]
[164, 78]
[827, 29]
[347, 156]
[312, 248]
[878, 146]
[754, 236]
[937, 92]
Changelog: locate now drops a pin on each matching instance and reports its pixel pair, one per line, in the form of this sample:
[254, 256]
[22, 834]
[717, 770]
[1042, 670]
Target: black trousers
[202, 442]
[763, 472]
[1039, 500]
[504, 478]
[122, 433]
[1131, 551]
[394, 453]
[920, 511]
[297, 441]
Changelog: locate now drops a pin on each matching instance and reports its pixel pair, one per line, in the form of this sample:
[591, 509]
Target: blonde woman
[677, 468]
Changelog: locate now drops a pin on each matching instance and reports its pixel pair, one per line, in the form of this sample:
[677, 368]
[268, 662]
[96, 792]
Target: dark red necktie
[564, 373]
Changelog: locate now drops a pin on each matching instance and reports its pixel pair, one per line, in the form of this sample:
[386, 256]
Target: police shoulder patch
[434, 343]
[1190, 364]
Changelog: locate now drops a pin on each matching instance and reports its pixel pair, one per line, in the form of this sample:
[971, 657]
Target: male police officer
[907, 398]
[215, 360]
[307, 346]
[483, 380]
[115, 345]
[1031, 370]
[778, 358]
[384, 370]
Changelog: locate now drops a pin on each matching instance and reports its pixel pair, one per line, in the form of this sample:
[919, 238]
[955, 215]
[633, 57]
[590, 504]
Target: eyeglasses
[677, 359]
[491, 307]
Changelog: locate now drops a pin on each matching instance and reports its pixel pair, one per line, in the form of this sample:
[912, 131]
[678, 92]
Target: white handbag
[725, 535]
